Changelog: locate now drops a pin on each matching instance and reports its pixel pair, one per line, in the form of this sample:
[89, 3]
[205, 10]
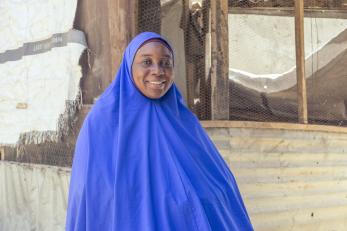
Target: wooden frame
[300, 61]
[270, 125]
[289, 11]
[109, 26]
[219, 60]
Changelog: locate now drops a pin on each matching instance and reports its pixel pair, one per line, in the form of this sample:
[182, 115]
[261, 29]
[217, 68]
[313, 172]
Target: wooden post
[185, 20]
[122, 24]
[109, 26]
[219, 60]
[300, 61]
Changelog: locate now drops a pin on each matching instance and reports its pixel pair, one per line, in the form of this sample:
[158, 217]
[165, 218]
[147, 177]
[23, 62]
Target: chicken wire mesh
[262, 74]
[325, 58]
[262, 60]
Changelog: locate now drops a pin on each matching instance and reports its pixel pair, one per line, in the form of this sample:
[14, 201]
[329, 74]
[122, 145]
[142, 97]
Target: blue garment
[147, 164]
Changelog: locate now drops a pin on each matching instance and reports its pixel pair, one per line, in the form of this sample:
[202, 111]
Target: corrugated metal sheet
[290, 180]
[33, 197]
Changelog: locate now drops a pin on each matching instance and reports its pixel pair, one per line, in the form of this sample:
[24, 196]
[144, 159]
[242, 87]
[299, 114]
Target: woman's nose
[157, 69]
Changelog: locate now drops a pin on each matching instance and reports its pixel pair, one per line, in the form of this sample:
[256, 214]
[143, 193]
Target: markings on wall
[33, 48]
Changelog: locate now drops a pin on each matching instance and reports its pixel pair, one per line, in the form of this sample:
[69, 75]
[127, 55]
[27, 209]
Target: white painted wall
[44, 81]
[33, 20]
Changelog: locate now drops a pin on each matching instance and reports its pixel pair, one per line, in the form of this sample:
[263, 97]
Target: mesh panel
[326, 56]
[262, 66]
[262, 60]
[149, 15]
[196, 26]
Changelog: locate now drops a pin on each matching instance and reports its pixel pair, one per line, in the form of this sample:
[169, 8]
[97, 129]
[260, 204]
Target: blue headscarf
[147, 164]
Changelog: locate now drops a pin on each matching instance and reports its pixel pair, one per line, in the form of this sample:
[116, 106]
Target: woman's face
[152, 69]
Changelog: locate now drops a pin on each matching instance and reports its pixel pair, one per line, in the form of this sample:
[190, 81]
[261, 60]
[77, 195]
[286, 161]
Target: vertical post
[185, 22]
[300, 61]
[219, 60]
[109, 26]
[122, 25]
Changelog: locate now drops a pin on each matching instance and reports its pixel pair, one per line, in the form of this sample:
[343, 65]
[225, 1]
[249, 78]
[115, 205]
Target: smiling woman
[153, 69]
[142, 159]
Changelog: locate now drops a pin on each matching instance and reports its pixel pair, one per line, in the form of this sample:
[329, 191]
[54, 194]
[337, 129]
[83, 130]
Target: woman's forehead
[148, 46]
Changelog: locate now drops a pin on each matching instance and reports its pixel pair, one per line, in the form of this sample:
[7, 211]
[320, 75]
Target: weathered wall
[33, 197]
[39, 70]
[290, 180]
[109, 26]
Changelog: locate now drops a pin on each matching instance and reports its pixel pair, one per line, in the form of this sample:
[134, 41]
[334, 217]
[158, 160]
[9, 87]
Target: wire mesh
[149, 15]
[262, 60]
[262, 65]
[325, 58]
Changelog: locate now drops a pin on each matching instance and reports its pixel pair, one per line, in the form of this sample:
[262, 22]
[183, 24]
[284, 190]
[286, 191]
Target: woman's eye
[167, 63]
[147, 62]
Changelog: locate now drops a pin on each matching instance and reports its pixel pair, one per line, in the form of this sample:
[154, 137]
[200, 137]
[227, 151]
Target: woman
[142, 159]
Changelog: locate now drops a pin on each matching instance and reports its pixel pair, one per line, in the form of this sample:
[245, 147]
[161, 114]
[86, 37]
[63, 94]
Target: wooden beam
[289, 12]
[185, 25]
[122, 25]
[267, 125]
[219, 60]
[109, 26]
[300, 61]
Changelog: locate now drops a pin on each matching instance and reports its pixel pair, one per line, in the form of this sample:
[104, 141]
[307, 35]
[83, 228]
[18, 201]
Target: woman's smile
[155, 85]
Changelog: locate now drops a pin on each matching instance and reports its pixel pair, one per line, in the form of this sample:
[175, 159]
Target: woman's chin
[154, 94]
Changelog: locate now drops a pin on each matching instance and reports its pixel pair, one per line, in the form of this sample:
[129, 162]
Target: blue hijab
[147, 164]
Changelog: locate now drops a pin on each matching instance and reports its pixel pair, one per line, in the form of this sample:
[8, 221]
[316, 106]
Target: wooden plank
[190, 71]
[95, 65]
[289, 11]
[122, 24]
[219, 60]
[266, 125]
[300, 61]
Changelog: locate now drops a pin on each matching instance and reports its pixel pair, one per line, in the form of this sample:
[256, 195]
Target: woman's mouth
[156, 85]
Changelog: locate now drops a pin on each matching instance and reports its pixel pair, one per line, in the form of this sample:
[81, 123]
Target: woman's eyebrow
[149, 55]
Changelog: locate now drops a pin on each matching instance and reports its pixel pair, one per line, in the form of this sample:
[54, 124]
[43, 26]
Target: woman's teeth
[157, 82]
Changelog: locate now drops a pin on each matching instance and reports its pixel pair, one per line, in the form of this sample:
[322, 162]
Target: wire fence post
[300, 61]
[219, 60]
